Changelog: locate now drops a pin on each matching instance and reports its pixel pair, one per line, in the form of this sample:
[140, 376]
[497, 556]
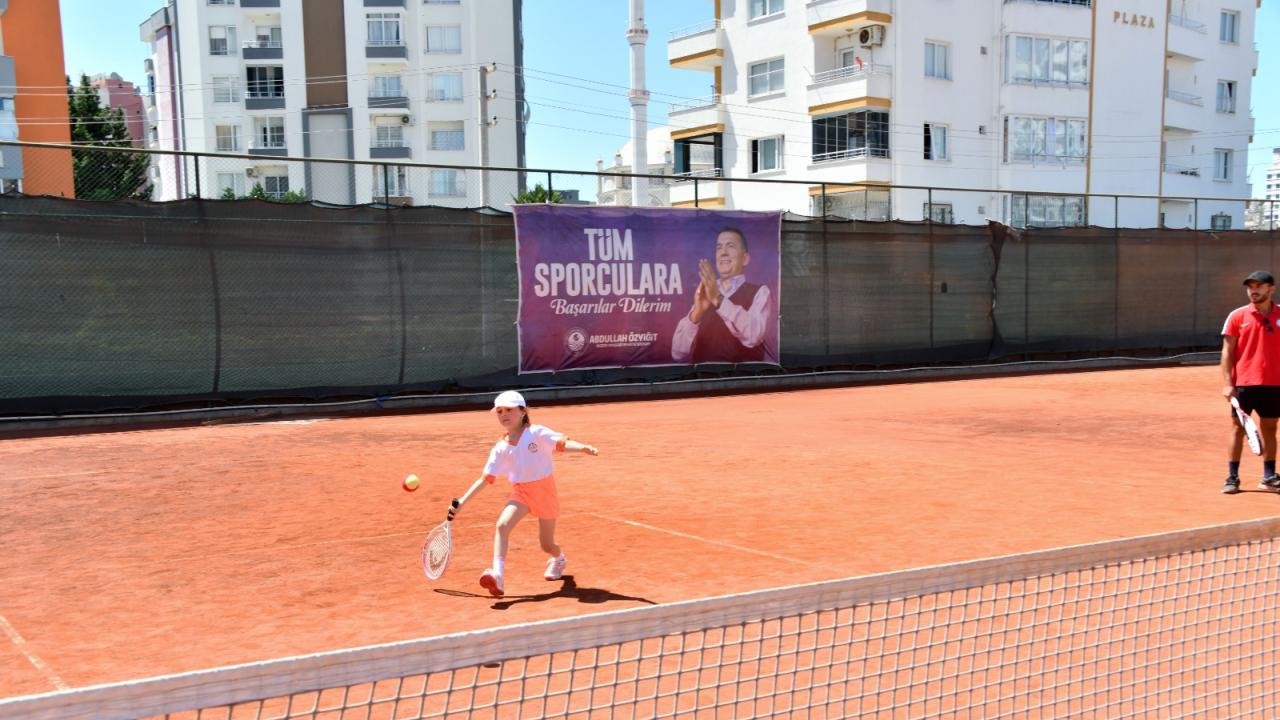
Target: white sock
[499, 564]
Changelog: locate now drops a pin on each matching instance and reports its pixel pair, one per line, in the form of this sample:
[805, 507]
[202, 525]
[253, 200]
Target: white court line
[702, 539]
[60, 475]
[20, 643]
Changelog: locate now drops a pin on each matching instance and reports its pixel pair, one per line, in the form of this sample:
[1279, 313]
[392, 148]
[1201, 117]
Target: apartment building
[368, 80]
[1018, 97]
[31, 108]
[119, 94]
[1268, 215]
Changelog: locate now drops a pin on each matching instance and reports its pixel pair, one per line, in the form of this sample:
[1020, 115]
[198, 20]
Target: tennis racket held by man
[1251, 433]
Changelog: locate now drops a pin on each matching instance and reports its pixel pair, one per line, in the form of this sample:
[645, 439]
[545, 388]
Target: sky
[578, 68]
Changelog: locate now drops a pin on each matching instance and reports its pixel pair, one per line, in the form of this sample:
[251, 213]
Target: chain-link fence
[266, 173]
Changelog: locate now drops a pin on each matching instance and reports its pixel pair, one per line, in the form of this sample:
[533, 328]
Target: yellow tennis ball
[411, 483]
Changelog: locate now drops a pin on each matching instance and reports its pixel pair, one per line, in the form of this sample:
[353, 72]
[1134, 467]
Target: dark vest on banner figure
[715, 343]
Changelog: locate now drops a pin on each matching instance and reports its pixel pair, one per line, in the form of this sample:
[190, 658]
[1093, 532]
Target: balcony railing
[695, 29]
[442, 96]
[1077, 3]
[1183, 97]
[703, 173]
[262, 44]
[851, 153]
[1188, 23]
[386, 43]
[1181, 170]
[386, 92]
[389, 143]
[846, 73]
[695, 103]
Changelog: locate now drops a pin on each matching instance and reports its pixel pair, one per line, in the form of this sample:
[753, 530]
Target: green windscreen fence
[109, 306]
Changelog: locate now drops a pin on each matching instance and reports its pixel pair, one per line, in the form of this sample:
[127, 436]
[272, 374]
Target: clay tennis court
[132, 554]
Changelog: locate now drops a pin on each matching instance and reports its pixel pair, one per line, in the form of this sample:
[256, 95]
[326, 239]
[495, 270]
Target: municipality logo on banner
[613, 287]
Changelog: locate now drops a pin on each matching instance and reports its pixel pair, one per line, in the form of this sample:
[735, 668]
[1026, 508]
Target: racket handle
[453, 509]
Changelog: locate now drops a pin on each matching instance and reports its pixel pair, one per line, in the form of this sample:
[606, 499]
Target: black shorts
[1265, 399]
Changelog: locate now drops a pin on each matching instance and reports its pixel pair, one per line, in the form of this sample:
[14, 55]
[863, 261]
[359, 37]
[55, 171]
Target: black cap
[1261, 276]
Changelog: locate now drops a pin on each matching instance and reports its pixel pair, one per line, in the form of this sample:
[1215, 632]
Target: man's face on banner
[731, 255]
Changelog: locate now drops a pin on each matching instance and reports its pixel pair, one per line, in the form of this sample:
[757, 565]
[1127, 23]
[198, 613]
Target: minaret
[637, 35]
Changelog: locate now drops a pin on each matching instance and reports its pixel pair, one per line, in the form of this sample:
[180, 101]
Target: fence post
[1271, 205]
[1195, 214]
[826, 281]
[929, 213]
[695, 190]
[549, 189]
[197, 171]
[1115, 208]
[386, 185]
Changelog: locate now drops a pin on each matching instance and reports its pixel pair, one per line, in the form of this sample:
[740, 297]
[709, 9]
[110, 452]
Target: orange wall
[33, 38]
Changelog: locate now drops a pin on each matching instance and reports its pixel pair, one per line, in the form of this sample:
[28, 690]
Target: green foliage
[103, 174]
[538, 194]
[259, 193]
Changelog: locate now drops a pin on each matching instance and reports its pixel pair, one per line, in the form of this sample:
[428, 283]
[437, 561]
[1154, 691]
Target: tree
[103, 174]
[537, 195]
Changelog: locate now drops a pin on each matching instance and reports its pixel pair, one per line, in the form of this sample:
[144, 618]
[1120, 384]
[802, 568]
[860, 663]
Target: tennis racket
[438, 546]
[1251, 433]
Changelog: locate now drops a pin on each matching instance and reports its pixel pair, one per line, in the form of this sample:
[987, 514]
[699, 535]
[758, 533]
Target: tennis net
[1179, 624]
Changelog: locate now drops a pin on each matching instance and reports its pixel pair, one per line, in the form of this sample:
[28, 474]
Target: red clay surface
[134, 554]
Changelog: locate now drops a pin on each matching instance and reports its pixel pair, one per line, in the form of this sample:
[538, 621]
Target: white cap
[510, 398]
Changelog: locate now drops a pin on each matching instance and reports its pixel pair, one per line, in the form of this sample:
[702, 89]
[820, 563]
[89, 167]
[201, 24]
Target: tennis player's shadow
[568, 589]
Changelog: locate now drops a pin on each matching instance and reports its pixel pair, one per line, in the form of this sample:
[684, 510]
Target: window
[448, 136]
[1220, 221]
[1036, 139]
[268, 36]
[765, 77]
[761, 8]
[447, 183]
[388, 132]
[268, 132]
[1222, 164]
[222, 39]
[265, 82]
[226, 89]
[1226, 96]
[397, 177]
[1229, 27]
[384, 29]
[859, 134]
[939, 213]
[1058, 61]
[766, 154]
[386, 86]
[228, 137]
[935, 61]
[231, 183]
[275, 186]
[935, 141]
[1046, 211]
[444, 38]
[445, 87]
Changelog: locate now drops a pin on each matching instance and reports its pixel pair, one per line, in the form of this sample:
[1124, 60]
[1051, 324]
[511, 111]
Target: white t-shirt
[526, 460]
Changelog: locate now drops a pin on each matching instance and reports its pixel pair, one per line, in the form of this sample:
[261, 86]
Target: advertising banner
[613, 287]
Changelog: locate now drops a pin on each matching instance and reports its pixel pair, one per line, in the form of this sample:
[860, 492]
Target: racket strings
[435, 553]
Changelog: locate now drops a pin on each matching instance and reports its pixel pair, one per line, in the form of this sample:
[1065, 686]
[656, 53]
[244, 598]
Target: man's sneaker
[555, 568]
[1230, 487]
[492, 582]
[1270, 482]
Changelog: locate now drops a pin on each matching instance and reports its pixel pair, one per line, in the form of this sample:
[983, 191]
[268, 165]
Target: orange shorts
[539, 496]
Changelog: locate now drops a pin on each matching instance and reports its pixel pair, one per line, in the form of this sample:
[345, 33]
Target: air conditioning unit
[406, 120]
[871, 35]
[251, 172]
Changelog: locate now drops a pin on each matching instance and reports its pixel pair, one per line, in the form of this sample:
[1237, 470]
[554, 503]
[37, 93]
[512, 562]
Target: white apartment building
[1269, 217]
[1078, 97]
[658, 144]
[367, 80]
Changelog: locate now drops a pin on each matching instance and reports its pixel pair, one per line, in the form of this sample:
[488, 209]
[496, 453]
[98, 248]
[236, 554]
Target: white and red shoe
[492, 582]
[555, 567]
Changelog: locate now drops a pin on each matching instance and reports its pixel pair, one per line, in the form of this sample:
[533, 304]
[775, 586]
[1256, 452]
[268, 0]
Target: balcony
[387, 100]
[1188, 37]
[273, 149]
[697, 47]
[263, 50]
[265, 101]
[832, 87]
[387, 49]
[840, 17]
[388, 149]
[260, 3]
[703, 188]
[700, 115]
[1181, 181]
[384, 3]
[1183, 110]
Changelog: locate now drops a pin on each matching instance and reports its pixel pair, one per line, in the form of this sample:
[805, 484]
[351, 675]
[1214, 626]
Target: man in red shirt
[1251, 372]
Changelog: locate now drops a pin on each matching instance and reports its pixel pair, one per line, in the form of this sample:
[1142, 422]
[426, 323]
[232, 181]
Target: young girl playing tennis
[523, 456]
